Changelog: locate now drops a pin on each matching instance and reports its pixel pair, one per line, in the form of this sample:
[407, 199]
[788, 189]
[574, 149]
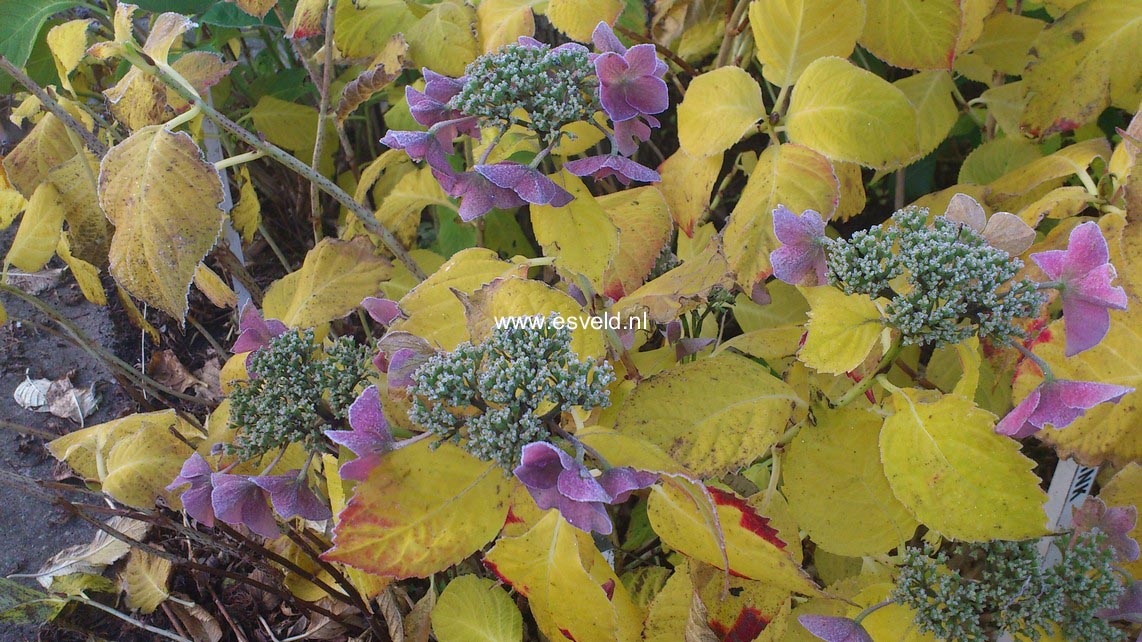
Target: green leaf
[475, 609]
[22, 605]
[20, 24]
[850, 114]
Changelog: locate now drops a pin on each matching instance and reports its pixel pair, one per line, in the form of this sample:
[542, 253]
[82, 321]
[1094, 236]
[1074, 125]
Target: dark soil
[31, 531]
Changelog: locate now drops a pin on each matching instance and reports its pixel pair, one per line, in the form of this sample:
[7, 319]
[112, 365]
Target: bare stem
[732, 31]
[322, 120]
[89, 139]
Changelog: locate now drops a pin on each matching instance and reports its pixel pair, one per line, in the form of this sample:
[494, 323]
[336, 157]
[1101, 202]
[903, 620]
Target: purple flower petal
[629, 133]
[422, 146]
[586, 516]
[605, 39]
[1057, 403]
[1129, 607]
[834, 629]
[478, 195]
[196, 499]
[439, 87]
[256, 333]
[369, 438]
[540, 465]
[624, 169]
[1116, 523]
[577, 484]
[630, 83]
[801, 260]
[238, 501]
[529, 184]
[292, 497]
[1085, 275]
[383, 311]
[621, 482]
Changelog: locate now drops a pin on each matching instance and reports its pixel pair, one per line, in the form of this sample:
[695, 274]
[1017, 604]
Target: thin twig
[89, 139]
[732, 30]
[130, 620]
[322, 120]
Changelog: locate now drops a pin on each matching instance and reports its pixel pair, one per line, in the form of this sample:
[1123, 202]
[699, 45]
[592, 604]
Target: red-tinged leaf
[420, 512]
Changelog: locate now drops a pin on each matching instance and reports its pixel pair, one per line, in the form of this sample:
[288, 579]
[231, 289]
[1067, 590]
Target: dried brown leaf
[385, 68]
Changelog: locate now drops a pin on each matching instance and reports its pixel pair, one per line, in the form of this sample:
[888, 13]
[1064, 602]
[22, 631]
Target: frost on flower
[801, 258]
[1082, 273]
[630, 83]
[369, 438]
[528, 183]
[195, 499]
[292, 497]
[834, 629]
[623, 169]
[1057, 402]
[1116, 523]
[555, 480]
[238, 501]
[255, 332]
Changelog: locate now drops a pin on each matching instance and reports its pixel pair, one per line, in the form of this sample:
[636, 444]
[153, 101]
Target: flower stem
[870, 610]
[867, 382]
[239, 159]
[1048, 375]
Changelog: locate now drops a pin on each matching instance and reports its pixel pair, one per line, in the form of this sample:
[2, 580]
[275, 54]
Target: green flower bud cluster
[957, 284]
[1003, 587]
[500, 394]
[554, 86]
[295, 391]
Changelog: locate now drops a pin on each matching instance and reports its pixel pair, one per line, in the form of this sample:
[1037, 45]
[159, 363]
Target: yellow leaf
[362, 31]
[1062, 202]
[578, 18]
[1083, 63]
[790, 34]
[852, 190]
[751, 545]
[11, 201]
[557, 567]
[850, 114]
[843, 329]
[434, 312]
[644, 225]
[145, 581]
[68, 44]
[1006, 42]
[203, 70]
[258, 8]
[135, 316]
[947, 465]
[86, 274]
[247, 212]
[502, 22]
[736, 410]
[680, 289]
[686, 184]
[306, 19]
[286, 124]
[971, 360]
[1006, 103]
[402, 281]
[746, 611]
[931, 94]
[443, 39]
[475, 609]
[1125, 490]
[89, 231]
[163, 199]
[580, 235]
[894, 621]
[790, 175]
[1068, 161]
[719, 108]
[331, 283]
[787, 307]
[836, 486]
[45, 147]
[3, 315]
[913, 35]
[134, 457]
[421, 511]
[36, 240]
[518, 297]
[214, 287]
[400, 208]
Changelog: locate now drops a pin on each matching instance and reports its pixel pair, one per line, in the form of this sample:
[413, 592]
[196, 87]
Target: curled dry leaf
[385, 68]
[60, 397]
[102, 551]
